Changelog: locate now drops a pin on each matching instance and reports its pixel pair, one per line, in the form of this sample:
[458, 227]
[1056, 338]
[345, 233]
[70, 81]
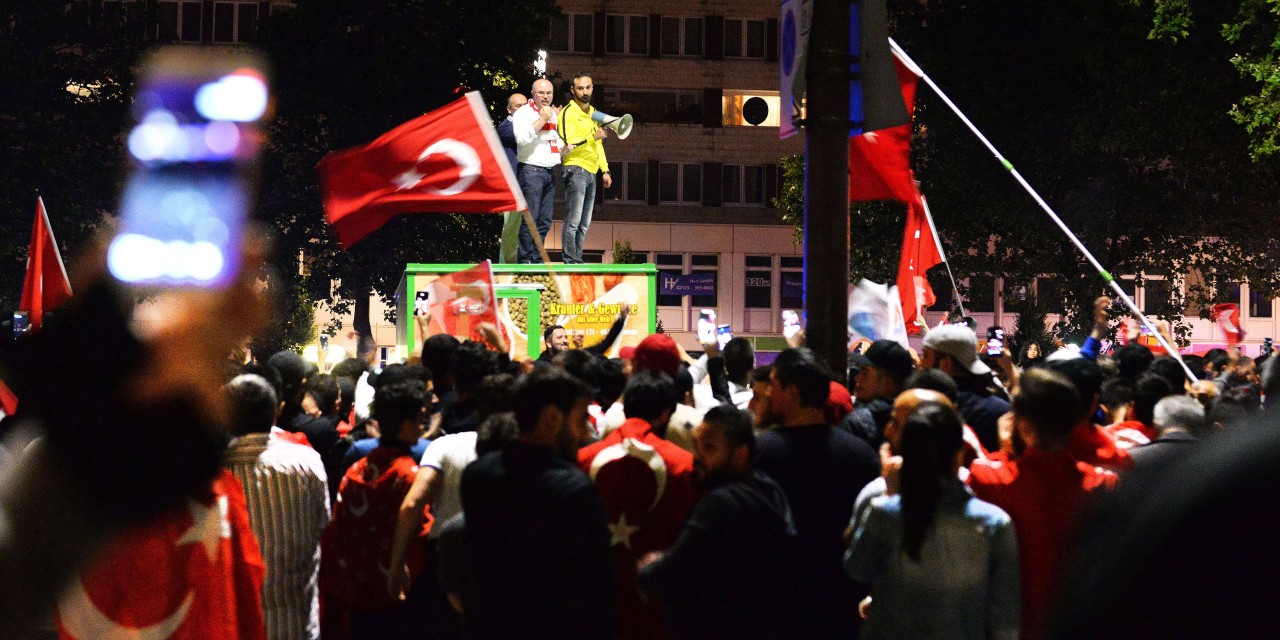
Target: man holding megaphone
[584, 138]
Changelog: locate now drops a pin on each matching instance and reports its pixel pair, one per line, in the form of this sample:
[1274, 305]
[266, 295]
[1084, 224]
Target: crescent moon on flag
[462, 155]
[630, 447]
[364, 506]
[84, 621]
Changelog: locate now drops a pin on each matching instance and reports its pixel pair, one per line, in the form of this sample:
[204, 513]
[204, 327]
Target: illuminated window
[741, 108]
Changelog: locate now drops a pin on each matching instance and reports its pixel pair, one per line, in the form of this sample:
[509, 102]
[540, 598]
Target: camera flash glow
[238, 97]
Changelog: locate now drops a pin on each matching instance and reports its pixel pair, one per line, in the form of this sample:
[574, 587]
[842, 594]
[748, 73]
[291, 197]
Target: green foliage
[623, 253]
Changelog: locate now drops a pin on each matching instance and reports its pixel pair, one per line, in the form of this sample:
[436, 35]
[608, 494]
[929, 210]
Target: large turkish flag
[45, 286]
[447, 161]
[192, 574]
[880, 161]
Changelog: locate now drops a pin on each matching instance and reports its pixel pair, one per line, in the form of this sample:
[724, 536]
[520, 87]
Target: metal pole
[826, 186]
[1106, 276]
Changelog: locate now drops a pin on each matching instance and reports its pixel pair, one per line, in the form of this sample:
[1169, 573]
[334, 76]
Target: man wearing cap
[953, 349]
[882, 369]
[659, 352]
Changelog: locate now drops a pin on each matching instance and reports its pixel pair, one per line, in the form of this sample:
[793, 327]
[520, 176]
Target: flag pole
[928, 216]
[537, 238]
[1106, 276]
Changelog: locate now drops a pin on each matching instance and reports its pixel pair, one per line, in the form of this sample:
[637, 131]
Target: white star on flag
[209, 525]
[409, 179]
[620, 532]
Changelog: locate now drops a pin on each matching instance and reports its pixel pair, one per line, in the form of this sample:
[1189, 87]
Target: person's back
[821, 469]
[287, 496]
[1044, 489]
[939, 562]
[525, 506]
[538, 549]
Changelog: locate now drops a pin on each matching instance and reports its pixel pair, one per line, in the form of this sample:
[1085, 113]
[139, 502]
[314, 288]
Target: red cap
[839, 403]
[658, 352]
[627, 353]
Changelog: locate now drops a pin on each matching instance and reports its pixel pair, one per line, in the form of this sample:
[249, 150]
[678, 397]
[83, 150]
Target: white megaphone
[621, 125]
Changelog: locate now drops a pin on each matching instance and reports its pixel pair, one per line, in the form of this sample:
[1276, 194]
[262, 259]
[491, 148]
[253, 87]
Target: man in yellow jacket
[584, 139]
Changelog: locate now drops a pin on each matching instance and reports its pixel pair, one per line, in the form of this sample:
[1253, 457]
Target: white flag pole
[937, 241]
[1106, 276]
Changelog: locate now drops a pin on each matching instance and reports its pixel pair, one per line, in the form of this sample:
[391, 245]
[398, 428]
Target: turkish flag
[459, 302]
[880, 161]
[193, 573]
[447, 161]
[1228, 318]
[8, 401]
[920, 252]
[45, 286]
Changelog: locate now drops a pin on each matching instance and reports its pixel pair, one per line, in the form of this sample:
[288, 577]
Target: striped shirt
[288, 499]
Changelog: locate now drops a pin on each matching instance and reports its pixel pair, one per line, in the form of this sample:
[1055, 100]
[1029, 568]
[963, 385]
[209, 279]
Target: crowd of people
[651, 495]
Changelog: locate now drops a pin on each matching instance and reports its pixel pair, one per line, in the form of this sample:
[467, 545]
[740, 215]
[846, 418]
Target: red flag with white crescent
[1227, 316]
[458, 302]
[194, 573]
[446, 161]
[920, 251]
[880, 161]
[45, 286]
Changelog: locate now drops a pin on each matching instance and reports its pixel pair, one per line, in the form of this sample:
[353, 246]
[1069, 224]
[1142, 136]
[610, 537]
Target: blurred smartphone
[22, 323]
[1266, 342]
[193, 151]
[324, 341]
[995, 341]
[422, 303]
[706, 326]
[723, 335]
[790, 323]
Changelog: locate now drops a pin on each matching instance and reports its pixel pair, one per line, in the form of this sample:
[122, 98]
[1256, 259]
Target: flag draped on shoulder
[446, 161]
[46, 285]
[194, 573]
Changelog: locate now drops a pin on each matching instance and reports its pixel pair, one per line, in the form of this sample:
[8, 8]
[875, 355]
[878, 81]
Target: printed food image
[583, 287]
[612, 280]
[518, 308]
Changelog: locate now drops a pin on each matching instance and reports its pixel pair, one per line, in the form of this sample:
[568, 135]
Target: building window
[559, 32]
[792, 283]
[1158, 298]
[234, 21]
[981, 295]
[583, 33]
[742, 185]
[744, 38]
[630, 182]
[656, 106]
[758, 283]
[627, 34]
[734, 101]
[178, 21]
[682, 36]
[704, 264]
[680, 183]
[1259, 306]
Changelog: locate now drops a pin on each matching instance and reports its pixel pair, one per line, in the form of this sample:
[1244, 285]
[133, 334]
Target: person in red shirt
[1140, 429]
[1044, 488]
[1088, 442]
[646, 484]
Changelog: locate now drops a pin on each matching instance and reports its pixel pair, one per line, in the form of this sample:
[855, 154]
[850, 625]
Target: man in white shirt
[286, 491]
[538, 146]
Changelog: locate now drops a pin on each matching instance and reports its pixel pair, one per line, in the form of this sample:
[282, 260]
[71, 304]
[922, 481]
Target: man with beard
[538, 548]
[728, 575]
[585, 158]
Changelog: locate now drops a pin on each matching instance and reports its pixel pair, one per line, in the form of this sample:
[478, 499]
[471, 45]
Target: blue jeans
[580, 198]
[539, 187]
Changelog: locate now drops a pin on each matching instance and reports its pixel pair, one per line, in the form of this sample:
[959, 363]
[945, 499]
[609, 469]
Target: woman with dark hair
[939, 562]
[1030, 355]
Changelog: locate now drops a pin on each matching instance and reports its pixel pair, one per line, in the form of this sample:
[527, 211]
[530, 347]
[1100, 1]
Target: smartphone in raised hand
[193, 152]
[706, 326]
[723, 335]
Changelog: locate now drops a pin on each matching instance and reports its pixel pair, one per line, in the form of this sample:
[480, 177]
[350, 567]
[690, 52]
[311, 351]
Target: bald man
[538, 146]
[508, 248]
[890, 460]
